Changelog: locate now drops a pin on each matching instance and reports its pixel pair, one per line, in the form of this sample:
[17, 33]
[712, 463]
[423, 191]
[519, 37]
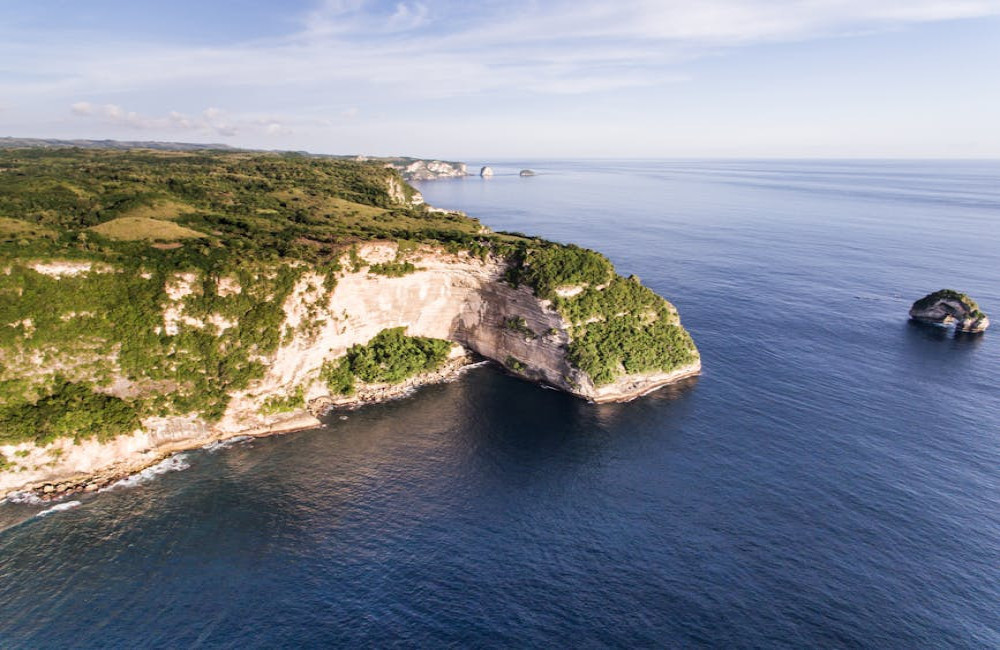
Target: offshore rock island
[950, 307]
[160, 300]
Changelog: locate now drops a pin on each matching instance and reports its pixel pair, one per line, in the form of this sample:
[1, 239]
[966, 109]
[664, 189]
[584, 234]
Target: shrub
[70, 410]
[390, 357]
[515, 364]
[547, 267]
[518, 325]
[392, 269]
[284, 403]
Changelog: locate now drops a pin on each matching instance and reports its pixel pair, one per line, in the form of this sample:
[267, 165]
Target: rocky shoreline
[87, 482]
[54, 488]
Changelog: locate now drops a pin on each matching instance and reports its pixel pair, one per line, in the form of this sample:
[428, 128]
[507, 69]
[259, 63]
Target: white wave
[213, 447]
[58, 508]
[29, 498]
[175, 463]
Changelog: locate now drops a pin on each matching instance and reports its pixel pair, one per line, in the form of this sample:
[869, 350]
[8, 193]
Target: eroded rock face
[427, 170]
[947, 307]
[486, 172]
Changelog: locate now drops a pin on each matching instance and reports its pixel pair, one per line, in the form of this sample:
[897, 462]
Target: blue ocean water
[831, 480]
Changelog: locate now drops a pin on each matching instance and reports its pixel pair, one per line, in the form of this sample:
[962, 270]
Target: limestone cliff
[448, 295]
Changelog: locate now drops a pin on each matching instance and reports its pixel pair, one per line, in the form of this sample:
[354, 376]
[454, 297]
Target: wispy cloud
[344, 63]
[212, 121]
[414, 50]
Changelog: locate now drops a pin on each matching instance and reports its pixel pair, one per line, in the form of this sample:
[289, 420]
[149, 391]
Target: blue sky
[512, 79]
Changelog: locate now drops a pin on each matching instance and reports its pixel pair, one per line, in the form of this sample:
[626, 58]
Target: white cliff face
[451, 296]
[427, 170]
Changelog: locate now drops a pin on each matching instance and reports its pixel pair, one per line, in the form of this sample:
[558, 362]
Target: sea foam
[175, 463]
[59, 507]
[26, 498]
[213, 447]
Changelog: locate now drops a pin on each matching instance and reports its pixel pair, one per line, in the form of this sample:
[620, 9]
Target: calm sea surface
[831, 480]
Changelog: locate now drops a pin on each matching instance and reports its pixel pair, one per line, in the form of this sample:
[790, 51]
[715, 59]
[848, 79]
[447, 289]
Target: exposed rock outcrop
[950, 307]
[419, 169]
[526, 172]
[486, 172]
[428, 170]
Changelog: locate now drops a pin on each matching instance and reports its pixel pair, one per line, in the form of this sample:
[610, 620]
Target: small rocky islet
[950, 307]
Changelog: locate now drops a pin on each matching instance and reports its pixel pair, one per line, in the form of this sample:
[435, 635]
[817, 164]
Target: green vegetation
[246, 205]
[4, 463]
[618, 326]
[545, 267]
[69, 410]
[515, 364]
[625, 328]
[518, 325]
[284, 403]
[390, 357]
[947, 294]
[392, 269]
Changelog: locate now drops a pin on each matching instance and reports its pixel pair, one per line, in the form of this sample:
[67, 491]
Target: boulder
[486, 172]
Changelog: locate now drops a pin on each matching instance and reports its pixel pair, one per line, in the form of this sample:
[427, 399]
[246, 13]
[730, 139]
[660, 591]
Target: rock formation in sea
[526, 172]
[486, 171]
[947, 307]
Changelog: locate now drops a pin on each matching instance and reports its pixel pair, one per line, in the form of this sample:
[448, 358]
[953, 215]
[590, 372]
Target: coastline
[58, 487]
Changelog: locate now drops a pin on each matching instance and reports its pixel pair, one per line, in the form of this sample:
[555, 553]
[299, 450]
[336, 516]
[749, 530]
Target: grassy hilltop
[138, 218]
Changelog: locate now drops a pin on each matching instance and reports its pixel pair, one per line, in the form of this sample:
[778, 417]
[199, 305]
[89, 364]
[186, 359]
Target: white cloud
[82, 108]
[351, 68]
[212, 121]
[412, 50]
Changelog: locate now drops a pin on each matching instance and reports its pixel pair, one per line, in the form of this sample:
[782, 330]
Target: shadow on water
[436, 471]
[917, 330]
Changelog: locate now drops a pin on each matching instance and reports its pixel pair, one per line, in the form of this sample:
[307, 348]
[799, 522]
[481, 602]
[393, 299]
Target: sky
[516, 79]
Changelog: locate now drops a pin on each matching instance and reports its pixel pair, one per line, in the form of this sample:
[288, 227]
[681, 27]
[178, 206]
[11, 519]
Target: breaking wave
[26, 498]
[58, 508]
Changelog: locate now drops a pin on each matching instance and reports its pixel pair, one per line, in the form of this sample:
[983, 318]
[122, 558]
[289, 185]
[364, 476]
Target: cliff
[250, 310]
[950, 307]
[448, 295]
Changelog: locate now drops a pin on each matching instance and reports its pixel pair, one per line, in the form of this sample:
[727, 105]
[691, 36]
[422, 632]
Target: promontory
[160, 300]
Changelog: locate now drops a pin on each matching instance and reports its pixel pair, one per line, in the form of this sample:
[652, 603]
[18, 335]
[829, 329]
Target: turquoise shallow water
[830, 480]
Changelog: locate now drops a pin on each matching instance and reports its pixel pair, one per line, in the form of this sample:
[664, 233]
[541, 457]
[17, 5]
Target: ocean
[830, 480]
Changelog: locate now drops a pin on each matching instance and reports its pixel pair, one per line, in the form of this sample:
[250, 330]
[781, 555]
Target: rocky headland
[216, 308]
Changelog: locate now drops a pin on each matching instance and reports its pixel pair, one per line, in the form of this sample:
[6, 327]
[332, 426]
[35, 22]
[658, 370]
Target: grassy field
[144, 229]
[13, 230]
